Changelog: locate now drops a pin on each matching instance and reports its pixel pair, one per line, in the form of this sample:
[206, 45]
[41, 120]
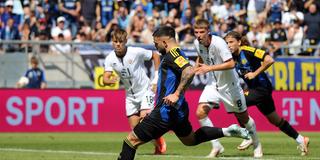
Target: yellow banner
[98, 79]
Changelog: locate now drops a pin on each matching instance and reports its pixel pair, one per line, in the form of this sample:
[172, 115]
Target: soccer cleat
[215, 151]
[303, 147]
[257, 151]
[237, 131]
[245, 144]
[161, 147]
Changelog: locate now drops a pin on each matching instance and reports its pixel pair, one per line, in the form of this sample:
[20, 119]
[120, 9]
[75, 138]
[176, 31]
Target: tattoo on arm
[186, 79]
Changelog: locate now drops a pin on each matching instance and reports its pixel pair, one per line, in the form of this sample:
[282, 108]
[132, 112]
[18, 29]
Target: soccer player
[215, 58]
[250, 65]
[171, 111]
[128, 63]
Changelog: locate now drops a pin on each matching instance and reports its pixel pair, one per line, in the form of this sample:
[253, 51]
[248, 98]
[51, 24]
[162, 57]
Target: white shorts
[233, 98]
[135, 104]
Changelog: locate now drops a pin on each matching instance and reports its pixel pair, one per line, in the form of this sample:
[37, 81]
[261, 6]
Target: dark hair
[238, 37]
[164, 31]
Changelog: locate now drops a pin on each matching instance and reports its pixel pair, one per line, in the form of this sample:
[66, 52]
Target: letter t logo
[292, 111]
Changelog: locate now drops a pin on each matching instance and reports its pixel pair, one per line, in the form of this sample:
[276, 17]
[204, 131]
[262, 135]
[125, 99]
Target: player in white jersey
[215, 58]
[128, 63]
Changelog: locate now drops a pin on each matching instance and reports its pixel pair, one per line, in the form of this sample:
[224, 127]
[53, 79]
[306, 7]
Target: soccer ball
[23, 81]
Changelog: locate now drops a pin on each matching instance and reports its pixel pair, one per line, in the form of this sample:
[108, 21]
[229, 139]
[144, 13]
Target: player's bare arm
[186, 79]
[156, 62]
[109, 79]
[267, 62]
[203, 68]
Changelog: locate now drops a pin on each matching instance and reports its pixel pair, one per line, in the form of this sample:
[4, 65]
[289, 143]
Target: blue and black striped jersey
[249, 60]
[171, 67]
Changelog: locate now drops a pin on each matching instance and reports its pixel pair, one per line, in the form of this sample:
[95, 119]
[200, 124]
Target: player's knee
[133, 139]
[202, 111]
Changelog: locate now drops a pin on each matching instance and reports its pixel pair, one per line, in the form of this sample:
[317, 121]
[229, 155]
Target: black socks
[128, 151]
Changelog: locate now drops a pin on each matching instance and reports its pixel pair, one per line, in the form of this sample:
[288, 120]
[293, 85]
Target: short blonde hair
[202, 24]
[119, 34]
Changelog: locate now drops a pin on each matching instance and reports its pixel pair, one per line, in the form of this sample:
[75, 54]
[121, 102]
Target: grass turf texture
[96, 146]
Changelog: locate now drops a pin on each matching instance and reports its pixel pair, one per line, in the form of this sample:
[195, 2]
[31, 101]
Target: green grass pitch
[106, 146]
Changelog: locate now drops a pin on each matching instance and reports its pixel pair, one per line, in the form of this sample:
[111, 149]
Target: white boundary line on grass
[139, 155]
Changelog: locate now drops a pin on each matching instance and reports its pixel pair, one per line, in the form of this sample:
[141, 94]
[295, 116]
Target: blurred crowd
[268, 24]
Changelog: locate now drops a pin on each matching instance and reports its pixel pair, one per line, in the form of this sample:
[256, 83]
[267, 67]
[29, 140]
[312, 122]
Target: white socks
[207, 122]
[251, 127]
[300, 139]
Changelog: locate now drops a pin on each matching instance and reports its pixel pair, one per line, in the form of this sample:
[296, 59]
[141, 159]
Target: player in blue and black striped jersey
[172, 111]
[250, 65]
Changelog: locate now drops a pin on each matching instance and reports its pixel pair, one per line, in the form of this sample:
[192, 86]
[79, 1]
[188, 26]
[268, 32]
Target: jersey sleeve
[107, 64]
[223, 48]
[254, 52]
[145, 54]
[43, 77]
[176, 60]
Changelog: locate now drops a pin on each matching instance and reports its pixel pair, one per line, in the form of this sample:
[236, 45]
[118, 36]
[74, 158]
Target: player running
[172, 111]
[215, 58]
[250, 65]
[128, 63]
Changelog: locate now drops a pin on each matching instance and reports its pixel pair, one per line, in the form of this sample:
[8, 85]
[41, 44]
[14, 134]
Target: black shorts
[262, 98]
[154, 126]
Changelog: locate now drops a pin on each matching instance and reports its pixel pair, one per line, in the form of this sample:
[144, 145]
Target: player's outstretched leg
[205, 134]
[160, 146]
[236, 131]
[303, 147]
[217, 148]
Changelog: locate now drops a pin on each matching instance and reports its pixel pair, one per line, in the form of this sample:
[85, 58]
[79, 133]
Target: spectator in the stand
[41, 26]
[71, 11]
[187, 17]
[173, 4]
[10, 32]
[51, 9]
[278, 37]
[106, 11]
[90, 12]
[308, 3]
[8, 14]
[122, 17]
[60, 48]
[291, 16]
[81, 37]
[311, 27]
[275, 11]
[60, 29]
[146, 35]
[137, 22]
[295, 38]
[35, 77]
[253, 34]
[223, 11]
[257, 10]
[156, 16]
[240, 28]
[85, 28]
[98, 34]
[25, 35]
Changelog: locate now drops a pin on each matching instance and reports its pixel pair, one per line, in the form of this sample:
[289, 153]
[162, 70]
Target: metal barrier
[64, 66]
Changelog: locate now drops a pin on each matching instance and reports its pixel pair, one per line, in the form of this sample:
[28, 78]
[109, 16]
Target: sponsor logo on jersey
[180, 61]
[259, 53]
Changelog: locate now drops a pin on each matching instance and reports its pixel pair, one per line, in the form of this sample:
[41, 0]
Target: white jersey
[217, 53]
[130, 68]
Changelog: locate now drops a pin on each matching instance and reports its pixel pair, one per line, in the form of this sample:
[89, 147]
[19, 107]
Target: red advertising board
[104, 111]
